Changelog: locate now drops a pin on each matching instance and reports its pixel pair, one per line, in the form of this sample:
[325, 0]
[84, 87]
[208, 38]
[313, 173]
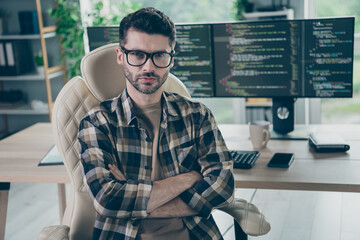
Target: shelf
[26, 36]
[289, 13]
[48, 29]
[31, 77]
[23, 110]
[35, 82]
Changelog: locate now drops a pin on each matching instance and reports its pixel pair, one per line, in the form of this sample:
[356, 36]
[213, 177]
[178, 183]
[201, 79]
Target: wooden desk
[21, 153]
[19, 157]
[309, 171]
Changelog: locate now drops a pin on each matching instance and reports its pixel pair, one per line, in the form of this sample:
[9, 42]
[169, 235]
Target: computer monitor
[282, 60]
[279, 59]
[101, 35]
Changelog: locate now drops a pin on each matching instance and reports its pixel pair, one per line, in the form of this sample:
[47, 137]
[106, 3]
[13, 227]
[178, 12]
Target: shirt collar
[168, 104]
[124, 106]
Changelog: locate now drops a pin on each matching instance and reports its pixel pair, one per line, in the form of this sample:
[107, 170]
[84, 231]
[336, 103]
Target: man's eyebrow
[163, 50]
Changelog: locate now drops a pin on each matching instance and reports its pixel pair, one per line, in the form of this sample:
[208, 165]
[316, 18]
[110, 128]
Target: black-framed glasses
[138, 58]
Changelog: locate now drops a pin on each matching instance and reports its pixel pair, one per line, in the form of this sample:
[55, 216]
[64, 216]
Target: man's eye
[160, 55]
[137, 54]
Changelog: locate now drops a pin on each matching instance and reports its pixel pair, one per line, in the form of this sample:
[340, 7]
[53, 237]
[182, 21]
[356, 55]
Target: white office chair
[103, 79]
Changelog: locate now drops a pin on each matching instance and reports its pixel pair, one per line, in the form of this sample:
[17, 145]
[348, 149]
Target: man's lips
[147, 79]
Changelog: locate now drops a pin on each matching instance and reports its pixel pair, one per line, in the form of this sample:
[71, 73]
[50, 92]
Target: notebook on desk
[52, 157]
[327, 142]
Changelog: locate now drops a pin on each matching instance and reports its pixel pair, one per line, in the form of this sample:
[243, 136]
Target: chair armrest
[56, 232]
[249, 217]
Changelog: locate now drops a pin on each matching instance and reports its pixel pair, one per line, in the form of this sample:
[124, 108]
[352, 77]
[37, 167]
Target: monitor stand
[299, 133]
[283, 121]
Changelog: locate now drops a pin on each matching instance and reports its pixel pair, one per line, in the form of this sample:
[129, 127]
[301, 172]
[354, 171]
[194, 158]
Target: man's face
[148, 78]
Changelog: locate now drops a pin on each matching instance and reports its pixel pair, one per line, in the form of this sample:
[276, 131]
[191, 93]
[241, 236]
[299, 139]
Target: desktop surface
[21, 153]
[309, 171]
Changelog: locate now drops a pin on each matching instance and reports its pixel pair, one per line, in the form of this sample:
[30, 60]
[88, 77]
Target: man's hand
[116, 172]
[173, 208]
[194, 176]
[167, 189]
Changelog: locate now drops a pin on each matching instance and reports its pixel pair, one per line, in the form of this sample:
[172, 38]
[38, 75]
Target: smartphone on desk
[281, 160]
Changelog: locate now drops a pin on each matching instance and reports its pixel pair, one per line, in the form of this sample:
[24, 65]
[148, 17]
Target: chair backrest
[102, 79]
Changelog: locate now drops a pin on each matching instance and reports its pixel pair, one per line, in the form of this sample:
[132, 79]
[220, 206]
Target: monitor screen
[293, 58]
[278, 58]
[100, 36]
[256, 59]
[193, 60]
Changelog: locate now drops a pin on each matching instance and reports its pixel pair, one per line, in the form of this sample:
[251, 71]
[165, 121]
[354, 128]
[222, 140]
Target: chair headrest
[105, 78]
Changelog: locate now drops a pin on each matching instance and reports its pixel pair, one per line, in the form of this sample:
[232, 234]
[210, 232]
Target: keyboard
[244, 159]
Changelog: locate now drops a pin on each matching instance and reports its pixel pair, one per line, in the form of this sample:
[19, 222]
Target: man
[155, 162]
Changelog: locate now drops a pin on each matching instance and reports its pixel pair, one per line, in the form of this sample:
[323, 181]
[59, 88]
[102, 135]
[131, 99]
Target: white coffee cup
[259, 133]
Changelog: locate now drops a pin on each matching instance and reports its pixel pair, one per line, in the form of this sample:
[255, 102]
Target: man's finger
[117, 175]
[116, 172]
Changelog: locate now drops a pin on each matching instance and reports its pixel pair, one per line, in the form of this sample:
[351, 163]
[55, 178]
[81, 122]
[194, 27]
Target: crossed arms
[132, 195]
[164, 201]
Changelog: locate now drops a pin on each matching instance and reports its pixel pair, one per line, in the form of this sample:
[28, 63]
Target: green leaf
[70, 31]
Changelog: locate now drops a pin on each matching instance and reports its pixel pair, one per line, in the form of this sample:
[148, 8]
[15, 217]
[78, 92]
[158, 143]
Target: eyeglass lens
[138, 58]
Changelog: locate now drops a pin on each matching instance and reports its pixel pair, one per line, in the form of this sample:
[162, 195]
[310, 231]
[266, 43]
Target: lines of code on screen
[300, 58]
[284, 58]
[328, 51]
[193, 61]
[256, 59]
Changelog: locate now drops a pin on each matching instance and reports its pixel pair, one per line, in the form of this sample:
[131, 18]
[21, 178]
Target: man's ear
[119, 56]
[172, 63]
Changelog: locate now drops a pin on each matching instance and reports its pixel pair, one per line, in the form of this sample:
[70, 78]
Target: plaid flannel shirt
[190, 140]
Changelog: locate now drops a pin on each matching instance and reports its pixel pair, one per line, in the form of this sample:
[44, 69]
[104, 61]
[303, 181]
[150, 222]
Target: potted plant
[39, 62]
[70, 30]
[241, 6]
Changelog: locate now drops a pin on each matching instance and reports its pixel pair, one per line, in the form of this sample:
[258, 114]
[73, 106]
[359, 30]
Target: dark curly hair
[150, 21]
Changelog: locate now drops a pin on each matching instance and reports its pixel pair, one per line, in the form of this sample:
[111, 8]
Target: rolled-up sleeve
[112, 198]
[217, 186]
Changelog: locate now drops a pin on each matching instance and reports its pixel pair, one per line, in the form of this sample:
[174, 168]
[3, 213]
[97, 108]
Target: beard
[145, 88]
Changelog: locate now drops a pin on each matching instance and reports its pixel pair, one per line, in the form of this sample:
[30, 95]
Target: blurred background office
[34, 103]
